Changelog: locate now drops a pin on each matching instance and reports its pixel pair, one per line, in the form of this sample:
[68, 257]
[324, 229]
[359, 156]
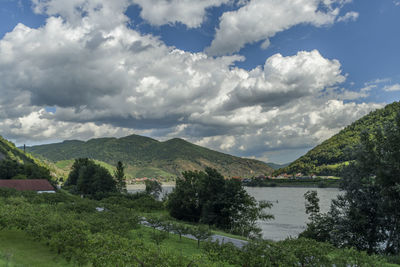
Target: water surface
[288, 207]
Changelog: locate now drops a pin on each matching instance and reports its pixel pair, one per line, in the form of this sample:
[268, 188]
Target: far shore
[141, 186]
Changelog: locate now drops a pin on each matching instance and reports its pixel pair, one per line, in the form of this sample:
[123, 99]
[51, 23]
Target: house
[38, 185]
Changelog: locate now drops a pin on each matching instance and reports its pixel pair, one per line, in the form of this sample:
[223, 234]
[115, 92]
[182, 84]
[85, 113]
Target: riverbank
[305, 183]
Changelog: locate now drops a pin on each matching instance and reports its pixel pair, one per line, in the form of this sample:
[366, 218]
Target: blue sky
[197, 70]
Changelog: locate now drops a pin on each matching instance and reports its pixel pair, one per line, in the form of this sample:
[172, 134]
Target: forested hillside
[14, 163]
[147, 157]
[328, 157]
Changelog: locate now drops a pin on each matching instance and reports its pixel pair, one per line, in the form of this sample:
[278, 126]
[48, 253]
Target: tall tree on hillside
[367, 215]
[119, 175]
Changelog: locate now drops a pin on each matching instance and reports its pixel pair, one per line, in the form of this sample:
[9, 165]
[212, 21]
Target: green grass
[186, 246]
[64, 164]
[21, 250]
[219, 232]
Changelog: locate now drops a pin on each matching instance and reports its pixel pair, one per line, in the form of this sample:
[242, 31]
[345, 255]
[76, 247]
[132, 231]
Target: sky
[263, 79]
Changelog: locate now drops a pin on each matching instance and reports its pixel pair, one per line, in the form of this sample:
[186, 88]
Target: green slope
[9, 151]
[15, 164]
[146, 157]
[328, 157]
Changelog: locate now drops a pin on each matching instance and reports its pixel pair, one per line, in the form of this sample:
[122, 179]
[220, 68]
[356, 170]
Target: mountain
[147, 157]
[328, 157]
[277, 166]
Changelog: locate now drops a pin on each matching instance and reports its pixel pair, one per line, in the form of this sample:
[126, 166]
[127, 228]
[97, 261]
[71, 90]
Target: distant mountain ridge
[328, 157]
[148, 157]
[277, 166]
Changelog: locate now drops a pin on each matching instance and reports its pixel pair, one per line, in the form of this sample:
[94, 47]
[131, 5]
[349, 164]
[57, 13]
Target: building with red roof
[38, 185]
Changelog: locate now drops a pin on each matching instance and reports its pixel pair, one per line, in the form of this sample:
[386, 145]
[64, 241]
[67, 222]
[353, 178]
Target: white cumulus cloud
[391, 88]
[259, 20]
[189, 12]
[349, 16]
[106, 79]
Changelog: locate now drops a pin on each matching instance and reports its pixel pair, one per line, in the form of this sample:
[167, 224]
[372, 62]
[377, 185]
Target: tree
[200, 233]
[312, 204]
[153, 188]
[367, 215]
[158, 237]
[208, 198]
[91, 179]
[180, 229]
[120, 177]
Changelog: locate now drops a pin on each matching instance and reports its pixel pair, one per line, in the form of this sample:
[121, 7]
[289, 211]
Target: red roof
[28, 185]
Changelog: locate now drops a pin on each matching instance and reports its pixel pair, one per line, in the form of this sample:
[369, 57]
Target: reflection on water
[289, 208]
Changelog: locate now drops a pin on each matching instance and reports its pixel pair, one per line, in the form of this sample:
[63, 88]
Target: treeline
[304, 182]
[330, 157]
[11, 169]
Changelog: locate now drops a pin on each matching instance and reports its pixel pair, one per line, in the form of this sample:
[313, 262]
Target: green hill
[328, 157]
[9, 151]
[147, 157]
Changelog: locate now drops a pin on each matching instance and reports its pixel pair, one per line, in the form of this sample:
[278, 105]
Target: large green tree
[367, 215]
[119, 175]
[88, 178]
[208, 198]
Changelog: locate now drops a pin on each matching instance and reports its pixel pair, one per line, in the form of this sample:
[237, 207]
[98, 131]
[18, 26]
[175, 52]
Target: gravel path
[220, 238]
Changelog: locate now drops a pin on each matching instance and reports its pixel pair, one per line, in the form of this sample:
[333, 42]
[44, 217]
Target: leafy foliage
[153, 188]
[290, 252]
[88, 178]
[119, 175]
[73, 228]
[367, 216]
[200, 233]
[15, 164]
[330, 157]
[208, 198]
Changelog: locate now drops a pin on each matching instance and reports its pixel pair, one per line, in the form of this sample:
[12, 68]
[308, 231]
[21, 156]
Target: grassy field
[18, 249]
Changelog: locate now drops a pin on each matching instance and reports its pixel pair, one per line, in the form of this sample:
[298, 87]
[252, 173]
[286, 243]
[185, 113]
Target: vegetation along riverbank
[309, 182]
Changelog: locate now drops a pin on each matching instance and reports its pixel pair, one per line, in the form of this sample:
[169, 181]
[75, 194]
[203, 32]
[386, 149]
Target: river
[288, 208]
